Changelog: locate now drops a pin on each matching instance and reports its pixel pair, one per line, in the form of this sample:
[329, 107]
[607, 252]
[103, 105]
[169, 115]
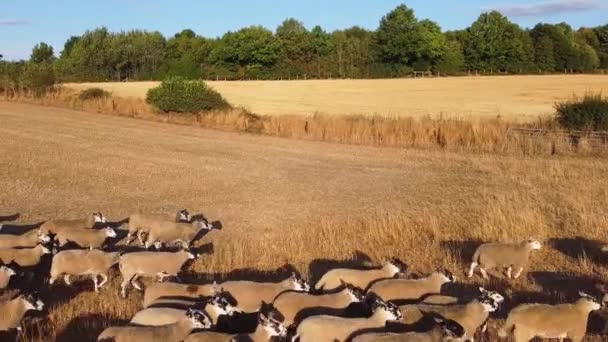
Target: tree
[321, 42]
[452, 61]
[68, 46]
[42, 53]
[396, 36]
[297, 49]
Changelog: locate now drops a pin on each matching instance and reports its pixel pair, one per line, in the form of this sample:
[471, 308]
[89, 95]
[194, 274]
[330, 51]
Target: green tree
[396, 36]
[452, 61]
[297, 47]
[322, 47]
[42, 53]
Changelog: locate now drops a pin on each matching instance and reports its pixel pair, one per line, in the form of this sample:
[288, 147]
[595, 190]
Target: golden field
[514, 97]
[305, 203]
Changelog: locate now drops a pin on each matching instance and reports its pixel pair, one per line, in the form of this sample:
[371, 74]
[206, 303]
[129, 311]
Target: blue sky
[24, 23]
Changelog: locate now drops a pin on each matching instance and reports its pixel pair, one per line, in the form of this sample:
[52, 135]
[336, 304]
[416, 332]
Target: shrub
[38, 77]
[590, 112]
[93, 94]
[176, 94]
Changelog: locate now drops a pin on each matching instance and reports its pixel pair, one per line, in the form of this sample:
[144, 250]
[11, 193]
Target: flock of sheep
[344, 305]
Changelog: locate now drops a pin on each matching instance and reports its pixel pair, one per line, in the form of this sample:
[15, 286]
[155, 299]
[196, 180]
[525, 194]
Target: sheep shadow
[461, 250]
[86, 328]
[19, 229]
[250, 274]
[13, 217]
[579, 247]
[318, 267]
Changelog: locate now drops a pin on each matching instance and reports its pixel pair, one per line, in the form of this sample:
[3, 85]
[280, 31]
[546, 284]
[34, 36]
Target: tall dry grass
[456, 134]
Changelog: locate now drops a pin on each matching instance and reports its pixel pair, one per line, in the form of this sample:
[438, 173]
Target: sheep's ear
[585, 295]
[482, 290]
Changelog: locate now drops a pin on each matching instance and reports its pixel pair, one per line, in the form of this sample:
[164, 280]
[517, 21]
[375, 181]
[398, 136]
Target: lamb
[25, 257]
[513, 256]
[13, 311]
[170, 289]
[150, 264]
[332, 328]
[29, 239]
[5, 276]
[527, 321]
[470, 316]
[176, 332]
[410, 289]
[85, 238]
[94, 263]
[443, 330]
[140, 223]
[174, 232]
[292, 303]
[215, 307]
[55, 226]
[268, 328]
[359, 278]
[249, 294]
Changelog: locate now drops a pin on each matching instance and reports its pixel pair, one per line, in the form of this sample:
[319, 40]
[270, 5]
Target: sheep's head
[490, 297]
[390, 310]
[299, 283]
[357, 295]
[397, 266]
[43, 237]
[222, 305]
[183, 216]
[592, 302]
[45, 250]
[445, 276]
[111, 233]
[451, 329]
[32, 303]
[198, 319]
[99, 218]
[534, 244]
[271, 320]
[7, 270]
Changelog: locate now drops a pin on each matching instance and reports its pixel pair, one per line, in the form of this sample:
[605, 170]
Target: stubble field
[307, 204]
[513, 97]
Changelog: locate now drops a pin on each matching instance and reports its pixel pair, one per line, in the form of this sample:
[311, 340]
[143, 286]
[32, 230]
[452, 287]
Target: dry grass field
[514, 97]
[309, 204]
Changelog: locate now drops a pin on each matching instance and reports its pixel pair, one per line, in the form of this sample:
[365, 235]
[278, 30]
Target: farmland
[305, 203]
[512, 97]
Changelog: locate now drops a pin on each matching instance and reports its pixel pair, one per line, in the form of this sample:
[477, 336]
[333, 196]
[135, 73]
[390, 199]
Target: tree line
[402, 43]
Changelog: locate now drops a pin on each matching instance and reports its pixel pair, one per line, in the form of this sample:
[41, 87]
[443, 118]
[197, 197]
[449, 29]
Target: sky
[24, 23]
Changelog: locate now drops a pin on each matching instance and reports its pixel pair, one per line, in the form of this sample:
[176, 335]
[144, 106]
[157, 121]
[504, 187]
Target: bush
[590, 112]
[176, 94]
[93, 94]
[38, 77]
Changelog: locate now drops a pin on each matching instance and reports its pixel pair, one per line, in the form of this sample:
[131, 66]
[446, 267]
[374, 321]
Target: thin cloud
[13, 22]
[550, 7]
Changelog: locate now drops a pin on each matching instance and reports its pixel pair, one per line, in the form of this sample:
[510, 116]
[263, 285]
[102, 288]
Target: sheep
[150, 264]
[24, 257]
[514, 256]
[527, 321]
[292, 303]
[410, 289]
[249, 293]
[55, 226]
[85, 238]
[269, 327]
[331, 280]
[443, 330]
[332, 328]
[471, 315]
[174, 232]
[5, 276]
[140, 223]
[178, 331]
[29, 239]
[170, 289]
[13, 311]
[94, 263]
[215, 307]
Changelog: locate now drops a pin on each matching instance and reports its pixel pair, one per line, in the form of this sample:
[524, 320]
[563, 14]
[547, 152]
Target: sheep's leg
[94, 277]
[140, 237]
[161, 276]
[123, 287]
[484, 274]
[509, 271]
[518, 273]
[135, 283]
[66, 279]
[158, 245]
[53, 278]
[130, 237]
[472, 269]
[104, 280]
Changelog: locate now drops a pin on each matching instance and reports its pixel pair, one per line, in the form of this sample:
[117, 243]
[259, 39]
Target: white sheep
[333, 279]
[333, 328]
[55, 226]
[28, 239]
[140, 223]
[150, 264]
[248, 294]
[85, 238]
[176, 332]
[24, 257]
[5, 276]
[13, 311]
[513, 256]
[410, 289]
[174, 232]
[527, 321]
[94, 263]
